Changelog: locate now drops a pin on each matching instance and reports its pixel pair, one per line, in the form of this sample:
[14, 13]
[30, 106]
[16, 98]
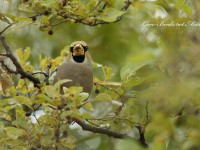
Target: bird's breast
[81, 74]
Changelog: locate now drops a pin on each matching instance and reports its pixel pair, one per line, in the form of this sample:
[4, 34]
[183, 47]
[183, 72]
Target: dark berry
[97, 91]
[34, 18]
[67, 108]
[39, 146]
[33, 148]
[60, 106]
[28, 114]
[50, 32]
[46, 13]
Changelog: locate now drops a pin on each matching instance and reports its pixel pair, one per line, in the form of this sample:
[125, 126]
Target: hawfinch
[77, 67]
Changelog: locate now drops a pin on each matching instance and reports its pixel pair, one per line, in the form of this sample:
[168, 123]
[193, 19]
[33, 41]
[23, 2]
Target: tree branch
[19, 68]
[111, 133]
[141, 133]
[127, 4]
[99, 130]
[95, 22]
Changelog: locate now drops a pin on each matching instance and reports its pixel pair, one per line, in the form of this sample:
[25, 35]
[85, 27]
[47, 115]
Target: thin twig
[40, 72]
[127, 5]
[36, 117]
[93, 123]
[29, 95]
[141, 133]
[112, 118]
[6, 28]
[148, 119]
[47, 72]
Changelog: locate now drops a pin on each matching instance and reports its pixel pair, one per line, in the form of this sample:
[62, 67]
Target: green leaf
[103, 97]
[50, 91]
[51, 3]
[1, 126]
[48, 121]
[127, 143]
[19, 26]
[45, 20]
[96, 65]
[24, 100]
[133, 81]
[187, 9]
[74, 90]
[68, 142]
[21, 123]
[9, 17]
[110, 14]
[5, 19]
[140, 60]
[110, 2]
[90, 6]
[60, 82]
[108, 74]
[21, 18]
[14, 133]
[42, 98]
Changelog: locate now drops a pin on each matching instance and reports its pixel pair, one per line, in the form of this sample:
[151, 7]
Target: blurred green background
[166, 58]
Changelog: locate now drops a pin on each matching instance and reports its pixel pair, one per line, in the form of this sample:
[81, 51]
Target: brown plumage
[77, 67]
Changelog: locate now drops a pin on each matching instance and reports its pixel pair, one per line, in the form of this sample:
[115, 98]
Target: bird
[78, 67]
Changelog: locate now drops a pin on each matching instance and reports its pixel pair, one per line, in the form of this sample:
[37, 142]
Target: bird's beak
[78, 50]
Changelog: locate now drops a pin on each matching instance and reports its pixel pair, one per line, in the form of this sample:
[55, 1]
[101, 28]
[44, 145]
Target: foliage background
[159, 64]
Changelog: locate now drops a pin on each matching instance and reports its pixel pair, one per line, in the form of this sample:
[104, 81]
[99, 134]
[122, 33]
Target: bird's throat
[79, 59]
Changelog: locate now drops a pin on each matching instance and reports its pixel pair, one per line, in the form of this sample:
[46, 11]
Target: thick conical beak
[78, 50]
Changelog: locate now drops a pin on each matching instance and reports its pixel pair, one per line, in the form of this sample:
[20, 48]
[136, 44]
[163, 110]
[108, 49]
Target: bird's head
[78, 49]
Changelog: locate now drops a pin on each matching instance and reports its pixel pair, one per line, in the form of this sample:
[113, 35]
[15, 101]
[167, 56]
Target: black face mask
[81, 58]
[78, 59]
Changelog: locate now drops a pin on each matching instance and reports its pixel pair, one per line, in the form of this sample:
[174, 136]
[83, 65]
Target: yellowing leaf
[23, 55]
[6, 85]
[42, 98]
[45, 62]
[88, 106]
[107, 72]
[24, 100]
[50, 91]
[20, 55]
[21, 84]
[21, 18]
[68, 142]
[27, 52]
[28, 68]
[45, 20]
[14, 133]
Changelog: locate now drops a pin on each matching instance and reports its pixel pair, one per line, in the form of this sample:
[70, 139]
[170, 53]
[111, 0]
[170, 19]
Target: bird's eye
[85, 48]
[71, 49]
